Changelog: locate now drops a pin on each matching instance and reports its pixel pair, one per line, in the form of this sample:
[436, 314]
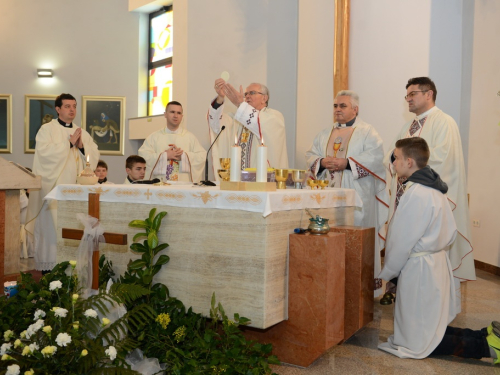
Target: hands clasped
[226, 89]
[76, 138]
[334, 164]
[174, 153]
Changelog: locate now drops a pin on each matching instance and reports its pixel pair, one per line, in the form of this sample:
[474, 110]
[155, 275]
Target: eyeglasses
[412, 94]
[252, 93]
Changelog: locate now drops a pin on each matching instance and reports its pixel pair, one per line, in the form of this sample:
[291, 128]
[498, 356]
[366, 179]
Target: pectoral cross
[112, 238]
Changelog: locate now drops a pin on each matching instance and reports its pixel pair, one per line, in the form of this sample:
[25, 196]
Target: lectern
[13, 178]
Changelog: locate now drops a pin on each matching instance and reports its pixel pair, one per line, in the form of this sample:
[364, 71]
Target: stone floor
[359, 355]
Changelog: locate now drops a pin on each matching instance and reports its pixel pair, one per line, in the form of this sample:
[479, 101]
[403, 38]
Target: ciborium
[322, 183]
[298, 176]
[312, 183]
[224, 174]
[225, 163]
[281, 175]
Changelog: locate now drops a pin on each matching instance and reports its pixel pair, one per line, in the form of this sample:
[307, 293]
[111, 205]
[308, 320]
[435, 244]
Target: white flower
[34, 328]
[63, 339]
[13, 370]
[49, 350]
[39, 314]
[55, 285]
[111, 352]
[5, 348]
[33, 347]
[8, 334]
[60, 312]
[90, 313]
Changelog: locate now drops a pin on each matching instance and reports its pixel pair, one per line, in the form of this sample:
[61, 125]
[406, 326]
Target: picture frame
[6, 123]
[38, 110]
[103, 117]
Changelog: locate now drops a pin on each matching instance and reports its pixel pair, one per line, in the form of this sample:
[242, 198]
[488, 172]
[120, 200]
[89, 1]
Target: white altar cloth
[212, 197]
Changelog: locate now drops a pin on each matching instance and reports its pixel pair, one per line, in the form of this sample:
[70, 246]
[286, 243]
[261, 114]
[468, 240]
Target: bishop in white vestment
[350, 155]
[60, 155]
[252, 122]
[173, 153]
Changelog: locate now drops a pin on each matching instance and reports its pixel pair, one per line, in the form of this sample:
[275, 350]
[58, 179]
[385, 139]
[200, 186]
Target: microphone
[206, 182]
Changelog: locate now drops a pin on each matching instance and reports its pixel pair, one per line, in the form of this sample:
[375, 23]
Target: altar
[233, 243]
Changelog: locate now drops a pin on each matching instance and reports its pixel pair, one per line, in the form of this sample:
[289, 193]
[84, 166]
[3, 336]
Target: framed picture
[5, 124]
[39, 110]
[104, 118]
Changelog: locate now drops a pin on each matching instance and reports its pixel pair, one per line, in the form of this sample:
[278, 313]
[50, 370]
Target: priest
[349, 154]
[173, 153]
[61, 151]
[253, 123]
[446, 158]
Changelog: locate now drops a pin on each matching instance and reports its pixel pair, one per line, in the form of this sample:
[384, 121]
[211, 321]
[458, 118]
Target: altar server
[60, 155]
[446, 158]
[418, 242]
[253, 122]
[173, 153]
[349, 154]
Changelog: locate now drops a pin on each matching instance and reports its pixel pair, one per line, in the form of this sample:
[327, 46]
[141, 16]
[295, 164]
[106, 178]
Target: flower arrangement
[49, 329]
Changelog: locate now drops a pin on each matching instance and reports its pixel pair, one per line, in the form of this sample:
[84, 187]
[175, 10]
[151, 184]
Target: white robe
[57, 163]
[191, 165]
[425, 301]
[441, 133]
[267, 123]
[365, 150]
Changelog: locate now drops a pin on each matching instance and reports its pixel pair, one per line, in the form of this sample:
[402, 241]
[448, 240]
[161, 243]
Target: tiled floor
[359, 354]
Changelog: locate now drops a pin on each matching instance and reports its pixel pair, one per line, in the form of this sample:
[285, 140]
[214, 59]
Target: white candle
[261, 163]
[235, 174]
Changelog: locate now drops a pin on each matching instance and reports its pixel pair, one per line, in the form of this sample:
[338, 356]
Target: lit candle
[261, 162]
[235, 162]
[88, 159]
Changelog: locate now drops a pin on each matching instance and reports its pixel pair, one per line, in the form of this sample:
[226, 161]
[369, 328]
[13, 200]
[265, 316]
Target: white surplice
[192, 161]
[416, 252]
[367, 176]
[267, 123]
[441, 133]
[57, 163]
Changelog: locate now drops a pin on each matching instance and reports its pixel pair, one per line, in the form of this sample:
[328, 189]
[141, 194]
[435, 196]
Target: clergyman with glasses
[441, 133]
[350, 155]
[252, 123]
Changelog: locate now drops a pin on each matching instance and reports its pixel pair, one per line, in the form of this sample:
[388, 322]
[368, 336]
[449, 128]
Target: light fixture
[45, 73]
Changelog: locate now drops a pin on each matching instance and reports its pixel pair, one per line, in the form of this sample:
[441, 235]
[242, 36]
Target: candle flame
[88, 158]
[235, 140]
[262, 141]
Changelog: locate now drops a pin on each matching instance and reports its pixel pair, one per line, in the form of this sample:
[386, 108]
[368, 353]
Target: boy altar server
[419, 238]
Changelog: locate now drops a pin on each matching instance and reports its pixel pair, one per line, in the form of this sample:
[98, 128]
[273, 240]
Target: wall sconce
[45, 73]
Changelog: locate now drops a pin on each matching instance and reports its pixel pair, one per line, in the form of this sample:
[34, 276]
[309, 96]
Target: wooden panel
[341, 47]
[112, 238]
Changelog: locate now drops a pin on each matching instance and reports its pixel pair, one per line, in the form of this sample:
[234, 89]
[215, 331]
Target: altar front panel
[239, 255]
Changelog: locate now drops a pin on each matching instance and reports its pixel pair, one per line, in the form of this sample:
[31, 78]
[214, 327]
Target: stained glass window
[160, 60]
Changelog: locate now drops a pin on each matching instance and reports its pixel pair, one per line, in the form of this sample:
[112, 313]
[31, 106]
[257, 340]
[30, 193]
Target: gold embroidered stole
[337, 147]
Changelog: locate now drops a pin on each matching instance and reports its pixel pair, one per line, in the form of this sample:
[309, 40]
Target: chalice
[298, 177]
[225, 163]
[224, 174]
[281, 176]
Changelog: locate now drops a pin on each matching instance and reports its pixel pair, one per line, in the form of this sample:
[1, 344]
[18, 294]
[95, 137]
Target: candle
[235, 162]
[88, 158]
[261, 162]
